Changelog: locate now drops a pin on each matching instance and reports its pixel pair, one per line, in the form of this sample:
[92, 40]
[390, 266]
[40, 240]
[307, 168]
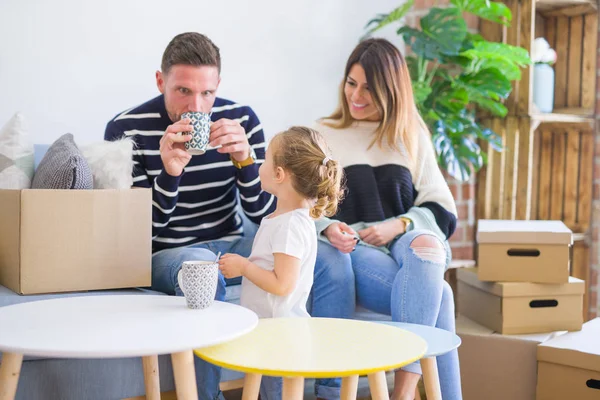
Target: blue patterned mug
[200, 134]
[198, 281]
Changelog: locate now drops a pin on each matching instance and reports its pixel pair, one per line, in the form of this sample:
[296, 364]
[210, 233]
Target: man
[195, 199]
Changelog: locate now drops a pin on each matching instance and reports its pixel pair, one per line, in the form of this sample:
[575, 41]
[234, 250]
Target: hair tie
[325, 160]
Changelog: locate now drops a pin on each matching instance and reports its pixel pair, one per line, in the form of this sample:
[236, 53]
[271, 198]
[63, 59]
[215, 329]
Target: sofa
[91, 379]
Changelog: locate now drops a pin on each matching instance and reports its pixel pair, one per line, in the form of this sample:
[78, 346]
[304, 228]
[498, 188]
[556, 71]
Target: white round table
[114, 327]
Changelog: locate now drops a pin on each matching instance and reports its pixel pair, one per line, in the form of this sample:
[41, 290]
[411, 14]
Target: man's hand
[383, 233]
[341, 236]
[172, 149]
[232, 136]
[232, 265]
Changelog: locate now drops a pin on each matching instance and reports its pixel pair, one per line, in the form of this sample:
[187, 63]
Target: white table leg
[251, 386]
[185, 375]
[9, 375]
[349, 388]
[378, 386]
[151, 377]
[293, 388]
[431, 378]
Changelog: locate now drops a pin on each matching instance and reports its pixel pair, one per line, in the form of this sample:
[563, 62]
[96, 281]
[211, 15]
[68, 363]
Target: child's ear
[279, 175]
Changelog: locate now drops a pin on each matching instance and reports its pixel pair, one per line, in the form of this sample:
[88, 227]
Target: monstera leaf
[382, 20]
[506, 58]
[458, 156]
[487, 83]
[443, 31]
[490, 10]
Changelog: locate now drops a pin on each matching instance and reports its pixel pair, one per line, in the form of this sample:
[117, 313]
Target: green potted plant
[455, 73]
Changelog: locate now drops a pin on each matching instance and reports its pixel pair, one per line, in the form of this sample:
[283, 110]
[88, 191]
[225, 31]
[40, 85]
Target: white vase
[543, 87]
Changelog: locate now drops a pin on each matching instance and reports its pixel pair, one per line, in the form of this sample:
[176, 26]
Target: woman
[398, 212]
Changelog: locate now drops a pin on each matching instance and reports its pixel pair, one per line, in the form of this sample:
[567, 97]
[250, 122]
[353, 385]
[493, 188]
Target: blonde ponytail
[329, 191]
[303, 152]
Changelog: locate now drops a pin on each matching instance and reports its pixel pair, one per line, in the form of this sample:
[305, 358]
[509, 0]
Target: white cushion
[111, 163]
[16, 155]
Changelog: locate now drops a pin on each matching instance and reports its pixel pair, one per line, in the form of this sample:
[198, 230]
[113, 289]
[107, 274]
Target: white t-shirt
[294, 234]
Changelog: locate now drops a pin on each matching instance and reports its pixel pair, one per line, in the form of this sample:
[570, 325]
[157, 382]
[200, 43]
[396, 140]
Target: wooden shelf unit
[546, 169]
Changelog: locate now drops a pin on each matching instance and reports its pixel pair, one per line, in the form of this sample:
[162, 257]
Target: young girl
[278, 275]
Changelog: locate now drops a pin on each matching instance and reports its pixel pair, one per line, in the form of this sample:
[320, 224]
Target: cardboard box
[495, 366]
[519, 308]
[73, 240]
[569, 366]
[523, 251]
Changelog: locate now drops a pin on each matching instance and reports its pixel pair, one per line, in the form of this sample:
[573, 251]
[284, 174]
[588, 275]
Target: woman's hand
[341, 236]
[382, 233]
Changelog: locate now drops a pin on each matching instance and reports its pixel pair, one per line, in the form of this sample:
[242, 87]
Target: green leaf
[474, 37]
[493, 106]
[474, 129]
[492, 138]
[490, 10]
[470, 41]
[486, 83]
[447, 99]
[413, 67]
[443, 31]
[449, 155]
[505, 58]
[494, 51]
[385, 19]
[420, 44]
[421, 92]
[458, 152]
[470, 151]
[510, 70]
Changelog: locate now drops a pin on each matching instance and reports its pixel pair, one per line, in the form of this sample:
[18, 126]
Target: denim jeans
[332, 296]
[410, 287]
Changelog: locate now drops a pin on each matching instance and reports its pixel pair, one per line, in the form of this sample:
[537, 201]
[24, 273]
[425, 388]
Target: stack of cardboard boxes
[519, 296]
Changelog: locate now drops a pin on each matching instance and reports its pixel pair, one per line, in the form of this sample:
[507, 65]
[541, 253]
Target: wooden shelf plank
[565, 8]
[557, 118]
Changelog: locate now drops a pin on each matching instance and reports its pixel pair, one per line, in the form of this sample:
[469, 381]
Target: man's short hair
[191, 48]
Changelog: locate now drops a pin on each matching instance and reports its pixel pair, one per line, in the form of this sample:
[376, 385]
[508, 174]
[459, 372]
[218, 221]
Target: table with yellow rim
[298, 348]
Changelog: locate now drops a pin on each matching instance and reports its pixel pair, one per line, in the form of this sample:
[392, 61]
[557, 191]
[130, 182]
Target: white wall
[71, 65]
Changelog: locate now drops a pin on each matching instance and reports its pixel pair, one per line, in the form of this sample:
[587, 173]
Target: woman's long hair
[389, 81]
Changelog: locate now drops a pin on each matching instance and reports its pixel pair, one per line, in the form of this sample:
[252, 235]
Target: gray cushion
[63, 167]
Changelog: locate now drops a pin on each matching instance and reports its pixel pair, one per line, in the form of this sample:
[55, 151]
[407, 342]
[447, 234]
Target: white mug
[198, 282]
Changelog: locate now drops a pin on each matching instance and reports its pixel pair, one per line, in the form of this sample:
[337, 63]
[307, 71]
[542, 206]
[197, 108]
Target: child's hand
[232, 265]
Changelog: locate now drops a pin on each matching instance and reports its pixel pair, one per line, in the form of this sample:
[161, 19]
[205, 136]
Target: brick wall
[462, 240]
[464, 193]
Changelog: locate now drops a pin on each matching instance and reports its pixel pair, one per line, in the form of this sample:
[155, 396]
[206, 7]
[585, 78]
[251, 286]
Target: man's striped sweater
[201, 204]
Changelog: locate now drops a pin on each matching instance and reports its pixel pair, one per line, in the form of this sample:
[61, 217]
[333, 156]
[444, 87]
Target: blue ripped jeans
[409, 285]
[332, 296]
